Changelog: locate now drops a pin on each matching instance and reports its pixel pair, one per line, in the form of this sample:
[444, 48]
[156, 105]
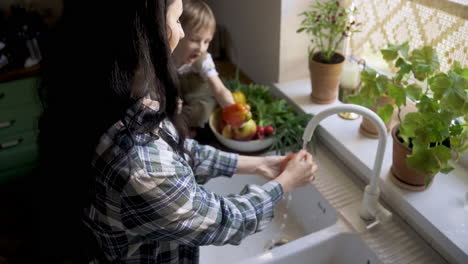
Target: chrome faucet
[370, 209]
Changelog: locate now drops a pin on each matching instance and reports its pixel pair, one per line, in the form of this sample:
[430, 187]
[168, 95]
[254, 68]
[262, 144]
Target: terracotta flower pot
[325, 79]
[367, 128]
[404, 176]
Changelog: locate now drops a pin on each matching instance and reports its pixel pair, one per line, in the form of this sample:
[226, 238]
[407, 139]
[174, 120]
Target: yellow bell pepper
[239, 97]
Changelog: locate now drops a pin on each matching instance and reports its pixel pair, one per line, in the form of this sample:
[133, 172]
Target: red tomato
[268, 130]
[260, 133]
[260, 130]
[286, 160]
[236, 114]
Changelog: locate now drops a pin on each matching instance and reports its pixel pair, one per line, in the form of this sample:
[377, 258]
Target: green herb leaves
[392, 51]
[451, 89]
[430, 160]
[424, 62]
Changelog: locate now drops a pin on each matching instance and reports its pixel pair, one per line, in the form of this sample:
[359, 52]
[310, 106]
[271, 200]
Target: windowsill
[437, 214]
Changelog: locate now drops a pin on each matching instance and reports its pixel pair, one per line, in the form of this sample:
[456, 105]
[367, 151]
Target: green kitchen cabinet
[20, 109]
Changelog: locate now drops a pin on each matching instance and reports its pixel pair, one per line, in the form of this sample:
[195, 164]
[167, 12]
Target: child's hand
[222, 94]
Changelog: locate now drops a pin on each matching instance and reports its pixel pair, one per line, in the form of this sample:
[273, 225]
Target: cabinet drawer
[18, 150]
[16, 173]
[19, 92]
[18, 119]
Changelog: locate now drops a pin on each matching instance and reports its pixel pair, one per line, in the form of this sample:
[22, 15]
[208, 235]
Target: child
[202, 89]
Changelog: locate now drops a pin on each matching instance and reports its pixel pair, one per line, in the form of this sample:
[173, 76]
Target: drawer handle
[7, 124]
[10, 144]
[2, 95]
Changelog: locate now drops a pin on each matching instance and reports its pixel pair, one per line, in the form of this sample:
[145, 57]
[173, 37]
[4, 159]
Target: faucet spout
[369, 207]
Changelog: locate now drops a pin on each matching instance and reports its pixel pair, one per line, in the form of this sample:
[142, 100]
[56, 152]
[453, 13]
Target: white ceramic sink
[302, 213]
[322, 248]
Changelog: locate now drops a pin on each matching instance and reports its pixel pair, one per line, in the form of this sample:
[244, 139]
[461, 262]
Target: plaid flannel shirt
[150, 208]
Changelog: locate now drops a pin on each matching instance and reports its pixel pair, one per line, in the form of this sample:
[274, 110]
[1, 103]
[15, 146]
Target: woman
[128, 142]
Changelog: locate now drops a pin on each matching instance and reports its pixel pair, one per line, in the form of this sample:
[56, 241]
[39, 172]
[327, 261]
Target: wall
[293, 46]
[253, 35]
[262, 38]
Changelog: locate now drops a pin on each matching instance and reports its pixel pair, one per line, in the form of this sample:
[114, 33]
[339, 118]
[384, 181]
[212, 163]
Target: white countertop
[438, 213]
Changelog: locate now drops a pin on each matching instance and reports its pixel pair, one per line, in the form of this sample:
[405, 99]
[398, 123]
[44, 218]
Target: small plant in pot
[430, 138]
[437, 133]
[327, 24]
[382, 94]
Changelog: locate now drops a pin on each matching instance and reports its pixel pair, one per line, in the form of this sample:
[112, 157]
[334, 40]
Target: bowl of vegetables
[279, 127]
[246, 138]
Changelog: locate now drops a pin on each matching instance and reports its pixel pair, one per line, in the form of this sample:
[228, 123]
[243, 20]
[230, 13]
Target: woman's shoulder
[119, 138]
[123, 155]
[127, 142]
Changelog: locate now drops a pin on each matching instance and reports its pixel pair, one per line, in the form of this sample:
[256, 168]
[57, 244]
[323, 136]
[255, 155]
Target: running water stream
[281, 238]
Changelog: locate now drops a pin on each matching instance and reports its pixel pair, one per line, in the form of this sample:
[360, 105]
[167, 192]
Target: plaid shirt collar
[135, 116]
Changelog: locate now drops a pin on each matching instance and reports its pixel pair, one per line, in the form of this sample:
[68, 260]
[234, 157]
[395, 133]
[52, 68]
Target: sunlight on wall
[440, 23]
[293, 46]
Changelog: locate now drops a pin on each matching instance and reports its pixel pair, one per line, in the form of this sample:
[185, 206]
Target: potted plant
[382, 94]
[437, 133]
[430, 138]
[327, 24]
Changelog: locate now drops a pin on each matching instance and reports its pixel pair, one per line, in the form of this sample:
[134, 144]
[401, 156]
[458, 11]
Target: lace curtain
[440, 23]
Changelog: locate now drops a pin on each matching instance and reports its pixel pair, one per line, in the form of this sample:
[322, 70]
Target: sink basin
[303, 212]
[324, 248]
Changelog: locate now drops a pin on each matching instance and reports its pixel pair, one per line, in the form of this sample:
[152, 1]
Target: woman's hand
[299, 171]
[267, 166]
[270, 166]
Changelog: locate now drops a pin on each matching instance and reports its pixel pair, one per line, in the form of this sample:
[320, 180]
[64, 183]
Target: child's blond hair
[197, 15]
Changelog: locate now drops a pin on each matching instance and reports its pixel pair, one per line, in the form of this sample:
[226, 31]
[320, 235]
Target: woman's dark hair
[89, 62]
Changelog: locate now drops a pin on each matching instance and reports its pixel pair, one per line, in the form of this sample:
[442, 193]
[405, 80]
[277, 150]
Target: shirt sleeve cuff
[231, 169]
[275, 190]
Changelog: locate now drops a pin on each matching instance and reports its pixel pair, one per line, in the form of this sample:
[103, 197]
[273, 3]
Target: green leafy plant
[375, 86]
[327, 24]
[437, 131]
[268, 110]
